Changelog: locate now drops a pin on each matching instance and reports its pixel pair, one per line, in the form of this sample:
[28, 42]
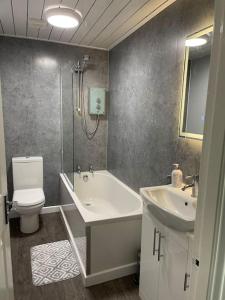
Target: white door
[6, 281]
[149, 263]
[209, 244]
[173, 276]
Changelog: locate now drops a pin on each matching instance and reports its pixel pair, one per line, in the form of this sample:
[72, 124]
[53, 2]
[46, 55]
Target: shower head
[86, 58]
[79, 66]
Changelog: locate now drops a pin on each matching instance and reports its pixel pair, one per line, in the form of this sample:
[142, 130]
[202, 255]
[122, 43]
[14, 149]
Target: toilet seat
[28, 197]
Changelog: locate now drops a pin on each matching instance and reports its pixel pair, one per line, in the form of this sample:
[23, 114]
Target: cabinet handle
[159, 247]
[186, 286]
[154, 241]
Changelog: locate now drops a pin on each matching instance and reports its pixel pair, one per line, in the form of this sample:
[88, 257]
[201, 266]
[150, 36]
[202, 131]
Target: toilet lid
[28, 197]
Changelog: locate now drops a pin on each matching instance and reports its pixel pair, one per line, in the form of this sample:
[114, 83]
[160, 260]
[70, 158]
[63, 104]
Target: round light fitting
[63, 17]
[195, 42]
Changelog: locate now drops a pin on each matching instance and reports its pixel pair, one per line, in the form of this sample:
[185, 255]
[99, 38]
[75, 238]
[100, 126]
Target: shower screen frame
[67, 124]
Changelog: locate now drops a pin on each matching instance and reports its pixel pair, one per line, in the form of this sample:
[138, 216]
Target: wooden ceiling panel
[20, 10]
[84, 7]
[104, 24]
[6, 17]
[126, 13]
[115, 8]
[142, 16]
[45, 32]
[57, 33]
[95, 14]
[35, 11]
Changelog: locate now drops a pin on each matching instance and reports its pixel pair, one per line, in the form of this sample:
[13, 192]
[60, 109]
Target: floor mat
[53, 262]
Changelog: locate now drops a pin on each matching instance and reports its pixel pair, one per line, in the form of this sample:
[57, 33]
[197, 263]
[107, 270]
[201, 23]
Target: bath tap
[78, 169]
[193, 185]
[91, 169]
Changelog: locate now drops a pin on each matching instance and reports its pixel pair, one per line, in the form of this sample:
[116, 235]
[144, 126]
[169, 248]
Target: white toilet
[28, 196]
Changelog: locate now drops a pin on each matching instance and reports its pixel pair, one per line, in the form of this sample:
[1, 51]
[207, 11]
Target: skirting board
[45, 210]
[102, 276]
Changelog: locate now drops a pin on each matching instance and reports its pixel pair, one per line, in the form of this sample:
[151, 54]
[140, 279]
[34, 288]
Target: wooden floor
[52, 229]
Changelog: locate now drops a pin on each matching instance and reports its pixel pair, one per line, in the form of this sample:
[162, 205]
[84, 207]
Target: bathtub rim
[91, 218]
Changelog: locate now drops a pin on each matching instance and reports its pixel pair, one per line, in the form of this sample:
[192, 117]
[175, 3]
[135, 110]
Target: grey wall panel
[30, 72]
[145, 94]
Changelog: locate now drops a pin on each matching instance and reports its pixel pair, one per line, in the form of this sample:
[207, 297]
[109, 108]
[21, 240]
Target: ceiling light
[195, 42]
[63, 17]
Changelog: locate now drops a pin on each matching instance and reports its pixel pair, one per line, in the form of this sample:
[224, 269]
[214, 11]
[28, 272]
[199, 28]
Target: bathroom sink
[171, 206]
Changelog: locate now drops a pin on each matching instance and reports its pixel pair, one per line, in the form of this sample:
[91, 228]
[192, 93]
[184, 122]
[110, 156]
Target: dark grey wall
[30, 73]
[145, 94]
[197, 87]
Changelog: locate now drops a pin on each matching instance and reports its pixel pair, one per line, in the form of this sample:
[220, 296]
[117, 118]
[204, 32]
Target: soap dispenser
[177, 176]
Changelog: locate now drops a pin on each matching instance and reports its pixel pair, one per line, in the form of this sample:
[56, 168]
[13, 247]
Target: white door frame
[4, 230]
[211, 201]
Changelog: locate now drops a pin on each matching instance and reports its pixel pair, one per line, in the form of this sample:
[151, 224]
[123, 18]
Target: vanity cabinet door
[172, 270]
[149, 271]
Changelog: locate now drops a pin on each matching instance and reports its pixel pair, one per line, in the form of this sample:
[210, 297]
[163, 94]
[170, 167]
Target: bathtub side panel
[114, 245]
[76, 224]
[72, 214]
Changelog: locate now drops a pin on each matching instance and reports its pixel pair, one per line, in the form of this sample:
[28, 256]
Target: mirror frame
[183, 133]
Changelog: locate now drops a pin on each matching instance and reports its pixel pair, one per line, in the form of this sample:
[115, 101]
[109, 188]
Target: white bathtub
[103, 219]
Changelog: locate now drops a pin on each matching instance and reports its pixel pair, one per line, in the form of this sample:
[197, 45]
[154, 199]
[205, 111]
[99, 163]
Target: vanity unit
[166, 260]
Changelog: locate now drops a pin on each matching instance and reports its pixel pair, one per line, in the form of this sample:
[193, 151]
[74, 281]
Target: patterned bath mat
[53, 262]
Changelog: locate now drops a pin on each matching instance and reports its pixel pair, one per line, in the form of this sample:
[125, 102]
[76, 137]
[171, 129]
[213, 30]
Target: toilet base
[29, 223]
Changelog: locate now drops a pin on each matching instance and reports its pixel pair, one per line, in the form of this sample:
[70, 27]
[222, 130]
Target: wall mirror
[195, 83]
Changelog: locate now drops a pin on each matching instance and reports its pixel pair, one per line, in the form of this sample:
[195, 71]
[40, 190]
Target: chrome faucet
[78, 169]
[91, 169]
[193, 185]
